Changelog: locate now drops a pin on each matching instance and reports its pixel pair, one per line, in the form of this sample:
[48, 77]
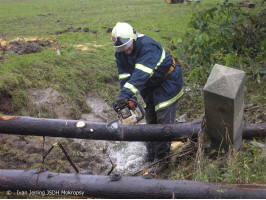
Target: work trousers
[164, 116]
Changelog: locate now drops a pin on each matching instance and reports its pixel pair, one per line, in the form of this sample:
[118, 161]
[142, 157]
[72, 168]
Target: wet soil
[25, 152]
[72, 29]
[6, 102]
[19, 152]
[22, 46]
[50, 99]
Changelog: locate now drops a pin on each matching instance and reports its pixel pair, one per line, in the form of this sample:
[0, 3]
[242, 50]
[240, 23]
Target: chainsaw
[129, 112]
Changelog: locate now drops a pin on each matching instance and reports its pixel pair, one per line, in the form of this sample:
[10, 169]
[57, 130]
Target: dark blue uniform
[143, 71]
[145, 68]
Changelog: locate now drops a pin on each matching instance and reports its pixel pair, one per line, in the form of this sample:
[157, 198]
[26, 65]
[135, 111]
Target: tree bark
[174, 1]
[254, 130]
[122, 187]
[21, 125]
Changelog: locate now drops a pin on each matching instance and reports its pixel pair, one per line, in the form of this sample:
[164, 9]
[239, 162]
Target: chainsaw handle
[140, 108]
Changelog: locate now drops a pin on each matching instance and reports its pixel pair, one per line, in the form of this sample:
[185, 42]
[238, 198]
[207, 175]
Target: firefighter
[144, 67]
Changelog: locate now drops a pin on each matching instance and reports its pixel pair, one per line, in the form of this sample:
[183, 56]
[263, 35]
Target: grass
[245, 166]
[76, 73]
[27, 16]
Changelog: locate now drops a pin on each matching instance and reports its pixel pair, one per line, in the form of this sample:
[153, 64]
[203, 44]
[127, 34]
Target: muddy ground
[22, 45]
[20, 152]
[6, 101]
[25, 45]
[26, 152]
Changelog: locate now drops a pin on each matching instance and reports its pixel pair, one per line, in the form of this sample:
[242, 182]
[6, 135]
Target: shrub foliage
[226, 34]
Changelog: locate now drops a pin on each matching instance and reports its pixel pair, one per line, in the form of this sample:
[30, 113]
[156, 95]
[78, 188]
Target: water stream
[128, 156]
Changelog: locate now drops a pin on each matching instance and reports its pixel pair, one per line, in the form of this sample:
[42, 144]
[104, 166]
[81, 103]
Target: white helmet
[122, 36]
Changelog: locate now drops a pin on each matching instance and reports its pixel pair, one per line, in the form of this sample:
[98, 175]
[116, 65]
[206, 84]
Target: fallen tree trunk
[174, 1]
[122, 187]
[254, 130]
[21, 125]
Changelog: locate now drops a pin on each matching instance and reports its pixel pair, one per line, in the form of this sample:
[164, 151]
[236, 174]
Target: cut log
[254, 130]
[174, 1]
[96, 130]
[20, 125]
[115, 186]
[246, 4]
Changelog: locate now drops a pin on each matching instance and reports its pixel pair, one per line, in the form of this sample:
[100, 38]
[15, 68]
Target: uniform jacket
[143, 71]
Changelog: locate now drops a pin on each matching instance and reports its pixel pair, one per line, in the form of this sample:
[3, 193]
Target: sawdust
[6, 117]
[80, 47]
[87, 46]
[175, 145]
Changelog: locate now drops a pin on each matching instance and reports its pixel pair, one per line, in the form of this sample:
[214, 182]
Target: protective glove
[120, 103]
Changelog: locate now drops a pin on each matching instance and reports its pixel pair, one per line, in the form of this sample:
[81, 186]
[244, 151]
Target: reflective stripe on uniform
[123, 76]
[160, 61]
[169, 102]
[143, 68]
[131, 88]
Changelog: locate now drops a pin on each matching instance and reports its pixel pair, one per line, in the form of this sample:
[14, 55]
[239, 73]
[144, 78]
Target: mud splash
[128, 156]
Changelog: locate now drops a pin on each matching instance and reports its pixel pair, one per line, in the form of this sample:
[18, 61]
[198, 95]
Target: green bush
[226, 34]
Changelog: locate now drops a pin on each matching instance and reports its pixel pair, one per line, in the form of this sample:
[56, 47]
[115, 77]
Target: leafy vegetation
[231, 36]
[224, 34]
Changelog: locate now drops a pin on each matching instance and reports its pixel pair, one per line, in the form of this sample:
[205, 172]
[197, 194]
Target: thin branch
[257, 116]
[68, 158]
[40, 168]
[44, 156]
[66, 170]
[185, 152]
[113, 166]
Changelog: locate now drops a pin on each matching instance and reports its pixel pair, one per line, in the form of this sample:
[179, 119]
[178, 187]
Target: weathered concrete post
[224, 106]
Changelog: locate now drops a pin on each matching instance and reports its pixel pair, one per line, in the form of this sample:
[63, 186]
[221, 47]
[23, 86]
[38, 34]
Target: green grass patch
[245, 166]
[77, 73]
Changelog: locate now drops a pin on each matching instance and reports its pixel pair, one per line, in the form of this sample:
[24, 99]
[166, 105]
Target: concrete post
[224, 106]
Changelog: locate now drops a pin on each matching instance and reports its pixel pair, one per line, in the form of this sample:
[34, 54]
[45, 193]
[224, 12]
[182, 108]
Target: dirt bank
[26, 152]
